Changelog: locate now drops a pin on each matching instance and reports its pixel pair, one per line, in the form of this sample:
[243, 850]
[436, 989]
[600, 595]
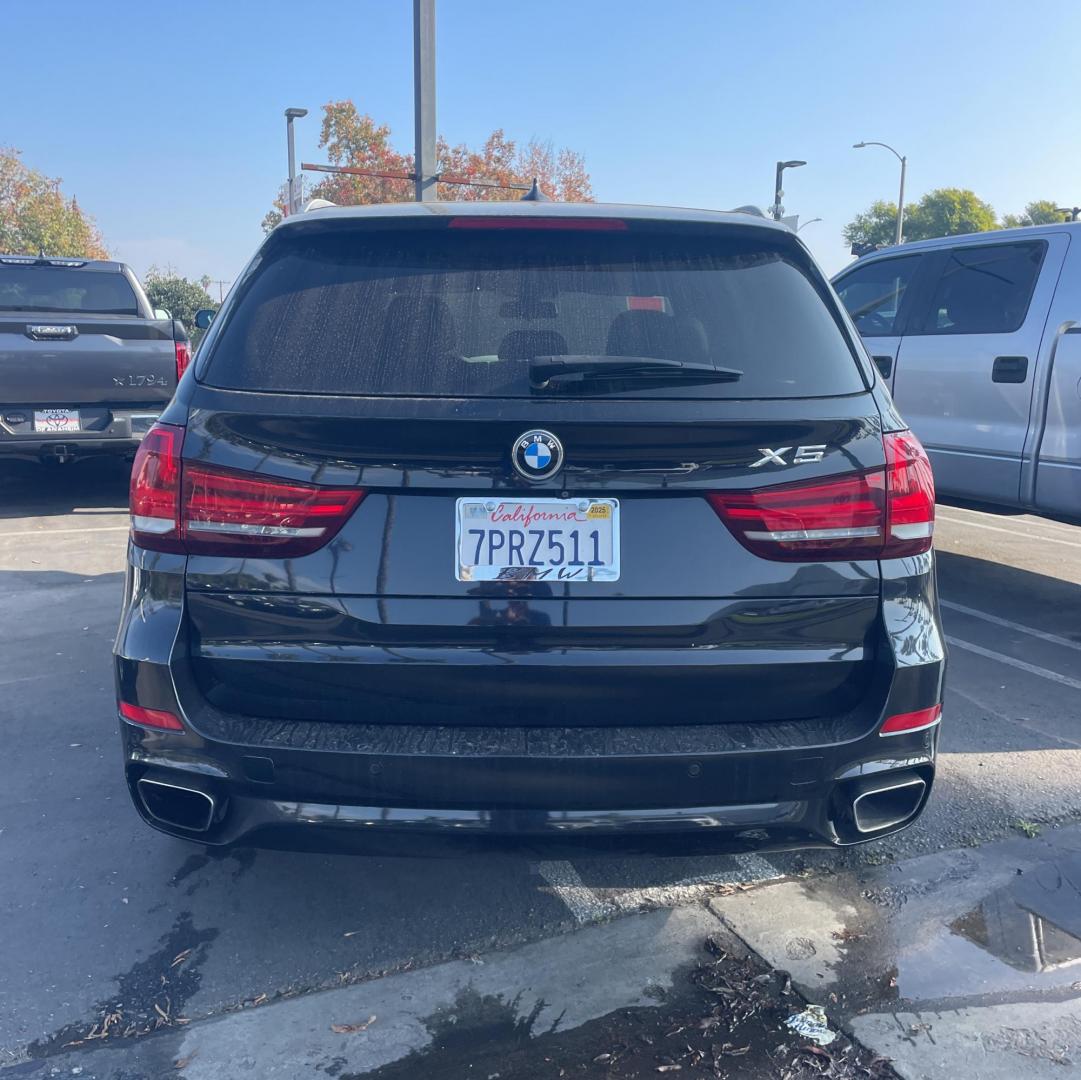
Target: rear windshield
[461, 312]
[56, 288]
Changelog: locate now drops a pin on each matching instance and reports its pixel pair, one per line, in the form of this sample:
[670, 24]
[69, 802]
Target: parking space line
[586, 906]
[1021, 665]
[1038, 522]
[1054, 639]
[1010, 532]
[583, 902]
[61, 532]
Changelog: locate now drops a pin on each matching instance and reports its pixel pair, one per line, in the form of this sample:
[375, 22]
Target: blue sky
[170, 131]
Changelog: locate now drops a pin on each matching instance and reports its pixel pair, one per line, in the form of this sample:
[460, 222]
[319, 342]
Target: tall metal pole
[898, 230]
[900, 233]
[292, 198]
[424, 99]
[778, 193]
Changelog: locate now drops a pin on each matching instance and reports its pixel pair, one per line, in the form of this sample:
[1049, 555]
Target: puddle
[723, 1017]
[1024, 936]
[938, 944]
[149, 997]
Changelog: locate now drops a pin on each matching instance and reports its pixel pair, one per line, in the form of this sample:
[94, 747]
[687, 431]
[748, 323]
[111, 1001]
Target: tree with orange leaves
[354, 139]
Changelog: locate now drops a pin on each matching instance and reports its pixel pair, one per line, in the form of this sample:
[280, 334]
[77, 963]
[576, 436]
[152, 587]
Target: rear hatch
[411, 369]
[76, 335]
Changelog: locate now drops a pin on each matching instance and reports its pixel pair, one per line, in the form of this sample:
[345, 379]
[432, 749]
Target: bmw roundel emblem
[537, 454]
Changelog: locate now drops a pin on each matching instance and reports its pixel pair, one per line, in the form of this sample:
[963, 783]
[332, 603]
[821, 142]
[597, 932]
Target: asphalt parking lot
[95, 908]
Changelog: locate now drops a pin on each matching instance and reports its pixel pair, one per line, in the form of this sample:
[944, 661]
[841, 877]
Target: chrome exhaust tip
[888, 804]
[178, 805]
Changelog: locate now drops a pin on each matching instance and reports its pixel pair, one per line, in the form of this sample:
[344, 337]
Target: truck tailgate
[98, 360]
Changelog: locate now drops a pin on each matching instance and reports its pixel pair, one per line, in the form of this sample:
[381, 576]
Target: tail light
[911, 721]
[183, 358]
[152, 718]
[201, 510]
[882, 513]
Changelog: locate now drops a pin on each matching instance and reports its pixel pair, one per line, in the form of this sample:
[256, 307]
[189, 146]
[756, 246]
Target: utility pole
[424, 184]
[899, 225]
[778, 191]
[292, 200]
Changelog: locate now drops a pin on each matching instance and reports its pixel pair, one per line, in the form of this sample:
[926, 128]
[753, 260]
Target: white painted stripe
[1021, 665]
[586, 906]
[1033, 522]
[747, 870]
[583, 903]
[1054, 639]
[63, 532]
[1015, 533]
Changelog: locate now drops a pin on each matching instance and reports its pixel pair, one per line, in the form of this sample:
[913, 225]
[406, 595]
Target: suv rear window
[56, 288]
[461, 312]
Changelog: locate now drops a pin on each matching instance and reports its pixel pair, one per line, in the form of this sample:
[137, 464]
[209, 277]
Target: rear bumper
[751, 799]
[329, 783]
[109, 431]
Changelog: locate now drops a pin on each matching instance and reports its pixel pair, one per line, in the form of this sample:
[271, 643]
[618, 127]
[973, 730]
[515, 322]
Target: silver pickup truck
[85, 366]
[979, 338]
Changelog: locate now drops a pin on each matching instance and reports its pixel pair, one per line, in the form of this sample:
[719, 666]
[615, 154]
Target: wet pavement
[937, 962]
[936, 922]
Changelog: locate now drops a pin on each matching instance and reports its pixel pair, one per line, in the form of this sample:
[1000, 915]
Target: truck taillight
[881, 513]
[183, 358]
[203, 510]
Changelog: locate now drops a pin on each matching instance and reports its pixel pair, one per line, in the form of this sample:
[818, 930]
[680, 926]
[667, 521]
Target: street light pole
[778, 209]
[424, 166]
[898, 232]
[292, 200]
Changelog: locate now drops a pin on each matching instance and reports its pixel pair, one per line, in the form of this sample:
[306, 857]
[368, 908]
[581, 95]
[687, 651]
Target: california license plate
[537, 540]
[56, 420]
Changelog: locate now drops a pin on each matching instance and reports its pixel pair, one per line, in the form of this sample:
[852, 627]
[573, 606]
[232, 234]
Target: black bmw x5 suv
[543, 520]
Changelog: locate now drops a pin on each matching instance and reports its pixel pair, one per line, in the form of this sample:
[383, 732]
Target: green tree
[942, 212]
[1039, 212]
[948, 212]
[354, 139]
[35, 216]
[875, 227]
[177, 295]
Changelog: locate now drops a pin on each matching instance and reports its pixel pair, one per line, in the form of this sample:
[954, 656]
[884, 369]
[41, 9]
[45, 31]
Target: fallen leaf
[183, 1063]
[352, 1029]
[669, 1068]
[602, 1059]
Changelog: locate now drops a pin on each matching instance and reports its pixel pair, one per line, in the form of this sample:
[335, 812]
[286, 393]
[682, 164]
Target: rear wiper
[543, 369]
